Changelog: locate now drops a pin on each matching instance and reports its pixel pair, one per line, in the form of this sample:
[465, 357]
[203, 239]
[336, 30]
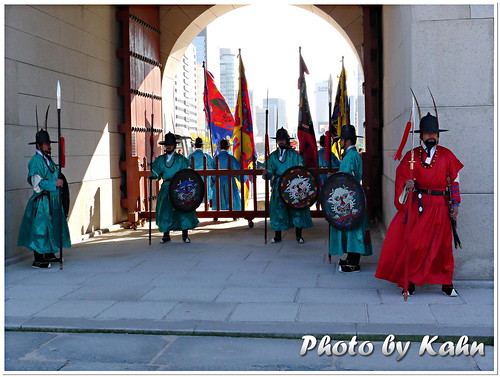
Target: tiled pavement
[227, 281]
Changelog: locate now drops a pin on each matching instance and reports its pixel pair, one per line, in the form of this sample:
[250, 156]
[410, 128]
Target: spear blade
[58, 95]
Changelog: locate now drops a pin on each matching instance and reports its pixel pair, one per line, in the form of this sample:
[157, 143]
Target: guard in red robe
[418, 245]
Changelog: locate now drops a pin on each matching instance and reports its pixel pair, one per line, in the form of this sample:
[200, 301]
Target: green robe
[352, 241]
[282, 216]
[167, 217]
[41, 224]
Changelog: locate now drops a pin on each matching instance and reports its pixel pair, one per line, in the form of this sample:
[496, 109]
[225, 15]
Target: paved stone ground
[228, 282]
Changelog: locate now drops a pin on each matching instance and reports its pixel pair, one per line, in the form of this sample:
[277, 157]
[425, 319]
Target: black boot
[39, 261]
[50, 257]
[411, 289]
[350, 264]
[298, 235]
[449, 290]
[185, 237]
[166, 237]
[277, 237]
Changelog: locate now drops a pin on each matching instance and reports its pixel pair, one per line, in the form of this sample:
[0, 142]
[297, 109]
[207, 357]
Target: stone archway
[180, 24]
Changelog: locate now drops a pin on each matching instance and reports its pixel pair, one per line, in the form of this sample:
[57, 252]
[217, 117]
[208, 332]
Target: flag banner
[220, 121]
[340, 115]
[305, 132]
[243, 140]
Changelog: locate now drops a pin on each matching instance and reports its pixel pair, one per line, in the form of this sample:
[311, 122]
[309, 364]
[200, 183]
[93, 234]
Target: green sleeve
[155, 171]
[271, 168]
[38, 166]
[48, 184]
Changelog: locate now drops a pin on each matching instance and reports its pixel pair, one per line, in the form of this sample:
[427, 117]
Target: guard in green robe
[355, 242]
[282, 216]
[167, 217]
[41, 224]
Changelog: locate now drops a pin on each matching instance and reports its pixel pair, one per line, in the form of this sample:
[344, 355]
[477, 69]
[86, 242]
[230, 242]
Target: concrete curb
[282, 330]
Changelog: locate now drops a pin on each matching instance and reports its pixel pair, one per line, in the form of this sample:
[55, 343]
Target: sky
[269, 37]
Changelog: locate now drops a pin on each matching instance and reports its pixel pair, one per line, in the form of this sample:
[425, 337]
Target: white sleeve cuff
[35, 180]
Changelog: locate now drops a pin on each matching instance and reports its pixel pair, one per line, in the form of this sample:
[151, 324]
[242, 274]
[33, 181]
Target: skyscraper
[321, 121]
[200, 43]
[185, 110]
[229, 76]
[277, 113]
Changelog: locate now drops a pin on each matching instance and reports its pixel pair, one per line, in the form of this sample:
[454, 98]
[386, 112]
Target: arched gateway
[148, 30]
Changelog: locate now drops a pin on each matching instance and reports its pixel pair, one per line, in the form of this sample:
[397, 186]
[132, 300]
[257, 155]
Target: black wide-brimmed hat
[42, 137]
[348, 131]
[282, 134]
[224, 143]
[169, 139]
[198, 143]
[429, 124]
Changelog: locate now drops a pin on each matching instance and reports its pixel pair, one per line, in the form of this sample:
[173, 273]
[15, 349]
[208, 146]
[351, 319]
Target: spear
[330, 85]
[61, 165]
[409, 200]
[266, 156]
[151, 145]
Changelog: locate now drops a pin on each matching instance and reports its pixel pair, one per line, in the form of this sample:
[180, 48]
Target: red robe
[421, 245]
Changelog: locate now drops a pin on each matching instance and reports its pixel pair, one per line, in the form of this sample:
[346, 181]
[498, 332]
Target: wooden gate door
[372, 64]
[141, 93]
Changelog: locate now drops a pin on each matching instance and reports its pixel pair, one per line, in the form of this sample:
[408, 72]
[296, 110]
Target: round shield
[186, 190]
[298, 187]
[343, 201]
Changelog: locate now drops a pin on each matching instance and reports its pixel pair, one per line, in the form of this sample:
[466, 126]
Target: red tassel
[399, 152]
[62, 157]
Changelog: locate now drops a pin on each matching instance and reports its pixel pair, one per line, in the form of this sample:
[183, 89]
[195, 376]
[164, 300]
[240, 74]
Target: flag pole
[207, 107]
[240, 115]
[60, 151]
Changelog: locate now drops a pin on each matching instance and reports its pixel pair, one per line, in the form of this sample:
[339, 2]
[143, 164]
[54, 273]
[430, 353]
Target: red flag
[305, 132]
[219, 118]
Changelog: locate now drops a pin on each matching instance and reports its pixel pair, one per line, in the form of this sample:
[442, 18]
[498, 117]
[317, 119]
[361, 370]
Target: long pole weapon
[330, 85]
[151, 145]
[409, 200]
[61, 165]
[266, 156]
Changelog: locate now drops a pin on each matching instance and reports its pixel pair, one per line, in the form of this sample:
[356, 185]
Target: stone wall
[75, 45]
[448, 48]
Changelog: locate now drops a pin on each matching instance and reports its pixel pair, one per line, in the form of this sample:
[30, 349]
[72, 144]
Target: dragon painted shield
[298, 187]
[343, 201]
[186, 190]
